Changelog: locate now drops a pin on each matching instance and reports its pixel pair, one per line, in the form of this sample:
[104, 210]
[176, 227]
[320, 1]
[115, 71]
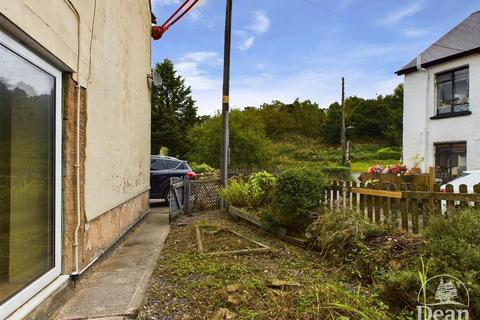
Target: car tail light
[191, 175]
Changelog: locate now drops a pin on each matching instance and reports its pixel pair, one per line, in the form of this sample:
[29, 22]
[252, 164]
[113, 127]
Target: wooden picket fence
[409, 206]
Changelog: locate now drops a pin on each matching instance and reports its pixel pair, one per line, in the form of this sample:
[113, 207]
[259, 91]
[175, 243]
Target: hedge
[388, 153]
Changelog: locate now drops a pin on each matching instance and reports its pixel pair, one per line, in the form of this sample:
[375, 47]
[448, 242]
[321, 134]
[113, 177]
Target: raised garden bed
[246, 216]
[216, 240]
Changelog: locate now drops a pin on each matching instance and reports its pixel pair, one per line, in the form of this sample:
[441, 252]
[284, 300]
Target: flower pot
[416, 170]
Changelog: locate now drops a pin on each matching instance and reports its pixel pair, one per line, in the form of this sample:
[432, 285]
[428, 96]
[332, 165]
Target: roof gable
[462, 40]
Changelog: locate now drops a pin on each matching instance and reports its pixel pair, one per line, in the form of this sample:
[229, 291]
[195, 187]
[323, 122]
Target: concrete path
[115, 288]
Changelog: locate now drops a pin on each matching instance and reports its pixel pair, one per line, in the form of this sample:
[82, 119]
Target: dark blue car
[162, 168]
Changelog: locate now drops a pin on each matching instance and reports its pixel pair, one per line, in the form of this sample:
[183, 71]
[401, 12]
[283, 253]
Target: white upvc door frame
[35, 287]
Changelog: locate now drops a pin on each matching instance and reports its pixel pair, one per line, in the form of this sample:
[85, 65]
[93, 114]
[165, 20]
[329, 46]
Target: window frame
[28, 292]
[450, 146]
[452, 112]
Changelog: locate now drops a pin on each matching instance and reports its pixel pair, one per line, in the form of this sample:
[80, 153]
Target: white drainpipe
[425, 128]
[77, 162]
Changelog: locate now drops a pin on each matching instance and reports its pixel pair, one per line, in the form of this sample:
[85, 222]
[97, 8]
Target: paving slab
[115, 288]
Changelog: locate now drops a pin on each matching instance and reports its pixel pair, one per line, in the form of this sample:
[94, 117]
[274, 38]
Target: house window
[30, 174]
[450, 160]
[453, 92]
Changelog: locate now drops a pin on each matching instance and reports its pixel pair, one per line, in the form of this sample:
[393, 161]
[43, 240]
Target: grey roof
[462, 40]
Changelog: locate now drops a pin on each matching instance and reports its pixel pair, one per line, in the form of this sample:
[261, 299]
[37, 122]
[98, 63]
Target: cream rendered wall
[115, 75]
[418, 110]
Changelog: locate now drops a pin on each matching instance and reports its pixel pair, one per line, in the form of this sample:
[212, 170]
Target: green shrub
[337, 173]
[297, 194]
[202, 168]
[452, 247]
[388, 153]
[256, 192]
[260, 188]
[237, 193]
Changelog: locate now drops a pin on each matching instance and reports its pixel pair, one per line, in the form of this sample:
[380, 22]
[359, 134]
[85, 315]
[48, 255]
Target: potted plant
[417, 161]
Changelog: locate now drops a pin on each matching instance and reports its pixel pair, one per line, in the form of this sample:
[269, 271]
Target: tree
[369, 118]
[394, 103]
[332, 125]
[299, 118]
[249, 145]
[173, 112]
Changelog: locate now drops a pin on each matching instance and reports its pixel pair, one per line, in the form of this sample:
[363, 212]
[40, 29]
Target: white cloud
[259, 26]
[261, 23]
[321, 86]
[247, 43]
[415, 32]
[402, 13]
[200, 56]
[194, 66]
[164, 2]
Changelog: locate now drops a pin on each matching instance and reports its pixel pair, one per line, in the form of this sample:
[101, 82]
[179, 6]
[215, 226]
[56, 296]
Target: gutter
[77, 152]
[425, 126]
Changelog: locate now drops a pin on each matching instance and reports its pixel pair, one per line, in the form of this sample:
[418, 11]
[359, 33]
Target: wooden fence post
[377, 205]
[450, 203]
[476, 189]
[404, 208]
[362, 200]
[395, 206]
[369, 205]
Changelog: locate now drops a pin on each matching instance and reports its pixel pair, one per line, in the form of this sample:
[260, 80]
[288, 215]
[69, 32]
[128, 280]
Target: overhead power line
[312, 3]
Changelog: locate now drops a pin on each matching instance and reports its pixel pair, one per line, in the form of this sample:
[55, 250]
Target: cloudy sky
[284, 49]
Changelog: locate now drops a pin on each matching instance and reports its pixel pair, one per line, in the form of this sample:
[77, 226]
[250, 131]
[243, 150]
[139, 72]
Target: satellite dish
[157, 79]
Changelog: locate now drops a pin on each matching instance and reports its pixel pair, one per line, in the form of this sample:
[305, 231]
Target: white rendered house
[441, 117]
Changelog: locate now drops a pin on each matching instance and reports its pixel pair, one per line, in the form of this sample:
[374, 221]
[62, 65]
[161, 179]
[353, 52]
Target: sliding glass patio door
[29, 210]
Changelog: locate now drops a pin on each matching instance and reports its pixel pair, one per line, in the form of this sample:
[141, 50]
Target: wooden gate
[177, 197]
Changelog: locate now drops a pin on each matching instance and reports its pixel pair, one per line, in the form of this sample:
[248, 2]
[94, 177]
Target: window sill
[451, 115]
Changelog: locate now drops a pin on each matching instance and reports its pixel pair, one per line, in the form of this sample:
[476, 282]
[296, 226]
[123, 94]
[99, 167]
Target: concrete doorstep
[115, 288]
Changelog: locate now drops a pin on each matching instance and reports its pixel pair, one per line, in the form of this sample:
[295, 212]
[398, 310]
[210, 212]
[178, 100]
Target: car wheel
[167, 196]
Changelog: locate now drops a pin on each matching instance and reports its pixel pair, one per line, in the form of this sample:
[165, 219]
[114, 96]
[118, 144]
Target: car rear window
[157, 164]
[171, 164]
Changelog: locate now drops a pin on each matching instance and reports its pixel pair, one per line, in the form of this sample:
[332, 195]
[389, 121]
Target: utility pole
[344, 130]
[226, 94]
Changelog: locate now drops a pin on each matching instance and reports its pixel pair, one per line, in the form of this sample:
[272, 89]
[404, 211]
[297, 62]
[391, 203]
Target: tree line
[255, 130]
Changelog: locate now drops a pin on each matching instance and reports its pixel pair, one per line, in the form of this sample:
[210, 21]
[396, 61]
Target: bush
[297, 194]
[388, 153]
[260, 187]
[237, 193]
[337, 173]
[202, 168]
[453, 248]
[256, 192]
